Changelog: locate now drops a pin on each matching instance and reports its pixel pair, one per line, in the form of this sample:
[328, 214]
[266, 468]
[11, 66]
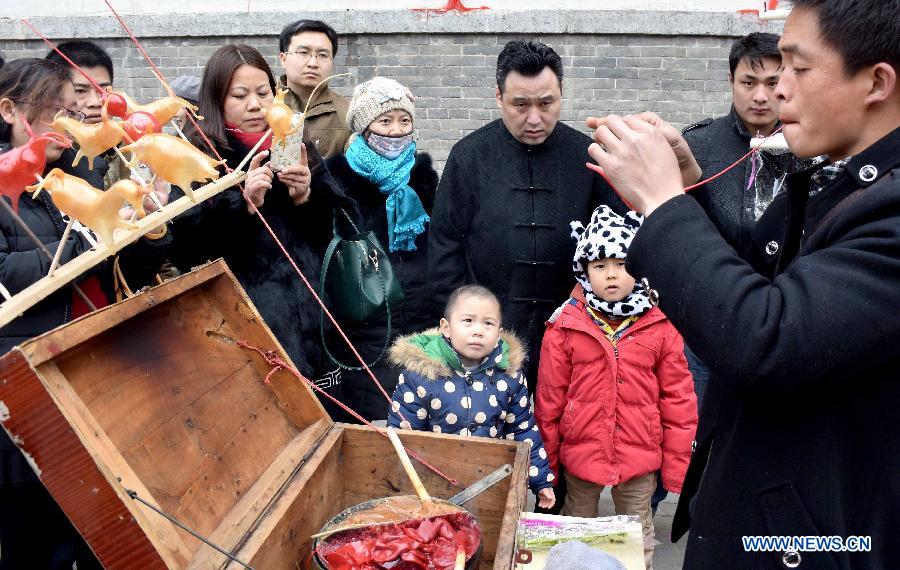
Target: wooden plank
[39, 290]
[51, 344]
[282, 539]
[188, 412]
[467, 459]
[82, 469]
[248, 513]
[505, 553]
[215, 289]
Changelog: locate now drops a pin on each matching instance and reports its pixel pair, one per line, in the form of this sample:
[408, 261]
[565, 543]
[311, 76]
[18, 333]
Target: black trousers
[35, 533]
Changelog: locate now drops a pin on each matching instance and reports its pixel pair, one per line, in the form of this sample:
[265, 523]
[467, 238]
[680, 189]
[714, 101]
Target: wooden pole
[62, 244]
[46, 252]
[140, 179]
[34, 293]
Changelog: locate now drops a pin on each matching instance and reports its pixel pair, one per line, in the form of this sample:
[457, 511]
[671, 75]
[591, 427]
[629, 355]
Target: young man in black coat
[506, 197]
[797, 437]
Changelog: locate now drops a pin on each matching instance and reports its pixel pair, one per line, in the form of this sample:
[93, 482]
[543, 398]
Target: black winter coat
[222, 227]
[729, 202]
[501, 219]
[22, 263]
[798, 434]
[414, 315]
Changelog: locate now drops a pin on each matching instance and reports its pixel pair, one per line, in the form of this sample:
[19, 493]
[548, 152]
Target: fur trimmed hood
[412, 356]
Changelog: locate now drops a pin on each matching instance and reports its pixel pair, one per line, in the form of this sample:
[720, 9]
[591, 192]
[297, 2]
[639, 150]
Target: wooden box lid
[153, 397]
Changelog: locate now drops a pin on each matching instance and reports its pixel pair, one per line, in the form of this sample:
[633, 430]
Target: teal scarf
[406, 218]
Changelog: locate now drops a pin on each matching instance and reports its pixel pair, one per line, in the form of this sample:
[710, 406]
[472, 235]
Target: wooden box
[154, 396]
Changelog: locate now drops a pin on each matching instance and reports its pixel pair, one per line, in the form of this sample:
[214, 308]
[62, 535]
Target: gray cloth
[576, 555]
[186, 87]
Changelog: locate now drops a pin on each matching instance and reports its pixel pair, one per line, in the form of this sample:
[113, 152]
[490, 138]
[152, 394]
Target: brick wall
[681, 77]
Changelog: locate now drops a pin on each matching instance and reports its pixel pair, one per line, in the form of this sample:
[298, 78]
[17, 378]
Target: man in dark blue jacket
[797, 437]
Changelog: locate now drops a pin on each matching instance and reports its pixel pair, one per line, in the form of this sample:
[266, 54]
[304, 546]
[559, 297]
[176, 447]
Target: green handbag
[360, 283]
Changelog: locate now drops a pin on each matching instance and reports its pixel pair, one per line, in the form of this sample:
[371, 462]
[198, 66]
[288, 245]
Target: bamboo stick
[39, 290]
[60, 247]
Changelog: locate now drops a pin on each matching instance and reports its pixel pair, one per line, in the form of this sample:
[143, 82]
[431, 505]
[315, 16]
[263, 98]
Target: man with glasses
[307, 49]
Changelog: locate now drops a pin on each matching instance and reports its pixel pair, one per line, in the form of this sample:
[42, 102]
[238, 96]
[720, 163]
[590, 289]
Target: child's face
[473, 328]
[609, 280]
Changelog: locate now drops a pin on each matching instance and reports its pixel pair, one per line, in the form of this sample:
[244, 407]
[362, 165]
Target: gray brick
[439, 92]
[465, 60]
[618, 51]
[665, 51]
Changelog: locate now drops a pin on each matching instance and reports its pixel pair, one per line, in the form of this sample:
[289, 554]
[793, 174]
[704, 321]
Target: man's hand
[258, 182]
[638, 160]
[297, 178]
[690, 170]
[546, 498]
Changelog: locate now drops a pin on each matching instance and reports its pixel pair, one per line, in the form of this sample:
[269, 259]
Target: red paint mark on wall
[451, 6]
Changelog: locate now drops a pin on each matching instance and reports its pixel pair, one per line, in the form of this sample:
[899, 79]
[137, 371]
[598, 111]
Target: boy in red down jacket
[615, 400]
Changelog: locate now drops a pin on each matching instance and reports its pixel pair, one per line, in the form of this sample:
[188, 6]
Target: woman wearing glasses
[297, 202]
[34, 533]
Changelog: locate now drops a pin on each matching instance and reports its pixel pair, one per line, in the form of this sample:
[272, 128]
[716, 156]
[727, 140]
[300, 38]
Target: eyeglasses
[54, 111]
[74, 115]
[305, 54]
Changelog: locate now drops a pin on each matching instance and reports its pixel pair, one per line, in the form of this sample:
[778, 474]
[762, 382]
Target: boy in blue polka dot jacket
[465, 378]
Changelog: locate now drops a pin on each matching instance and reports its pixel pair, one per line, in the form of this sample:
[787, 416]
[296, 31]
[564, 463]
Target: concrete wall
[674, 63]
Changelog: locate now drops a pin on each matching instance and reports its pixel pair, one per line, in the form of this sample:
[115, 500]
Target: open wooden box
[153, 396]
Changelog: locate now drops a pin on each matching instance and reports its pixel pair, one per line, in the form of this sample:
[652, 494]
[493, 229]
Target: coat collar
[740, 128]
[322, 102]
[574, 316]
[412, 356]
[861, 171]
[871, 164]
[547, 144]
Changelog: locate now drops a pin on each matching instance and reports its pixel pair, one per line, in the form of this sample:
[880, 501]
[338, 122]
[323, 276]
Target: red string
[102, 91]
[740, 160]
[262, 219]
[276, 362]
[596, 168]
[140, 48]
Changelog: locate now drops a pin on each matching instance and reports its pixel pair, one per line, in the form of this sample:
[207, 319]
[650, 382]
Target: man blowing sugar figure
[615, 400]
[798, 433]
[465, 378]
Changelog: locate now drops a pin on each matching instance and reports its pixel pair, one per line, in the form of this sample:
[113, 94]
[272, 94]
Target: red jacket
[610, 415]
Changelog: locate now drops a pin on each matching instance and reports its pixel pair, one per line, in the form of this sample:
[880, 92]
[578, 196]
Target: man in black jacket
[506, 197]
[740, 196]
[797, 437]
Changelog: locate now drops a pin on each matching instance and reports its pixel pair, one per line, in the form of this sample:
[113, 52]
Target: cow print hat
[608, 235]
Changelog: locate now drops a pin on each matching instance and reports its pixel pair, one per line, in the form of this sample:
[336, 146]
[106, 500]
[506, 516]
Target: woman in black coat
[298, 204]
[394, 188]
[34, 533]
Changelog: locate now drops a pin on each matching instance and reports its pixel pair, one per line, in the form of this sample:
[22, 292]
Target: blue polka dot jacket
[435, 393]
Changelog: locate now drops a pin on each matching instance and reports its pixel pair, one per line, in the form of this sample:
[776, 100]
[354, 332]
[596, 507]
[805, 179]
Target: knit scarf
[406, 217]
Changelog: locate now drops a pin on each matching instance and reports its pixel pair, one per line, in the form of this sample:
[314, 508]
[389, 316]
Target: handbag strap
[335, 222]
[329, 253]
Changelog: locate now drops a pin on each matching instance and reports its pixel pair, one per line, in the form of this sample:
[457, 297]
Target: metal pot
[319, 564]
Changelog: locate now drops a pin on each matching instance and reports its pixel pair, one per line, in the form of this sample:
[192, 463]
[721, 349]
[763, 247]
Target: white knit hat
[374, 98]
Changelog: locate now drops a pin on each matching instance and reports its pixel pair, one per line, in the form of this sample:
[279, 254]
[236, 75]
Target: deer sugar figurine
[94, 208]
[174, 160]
